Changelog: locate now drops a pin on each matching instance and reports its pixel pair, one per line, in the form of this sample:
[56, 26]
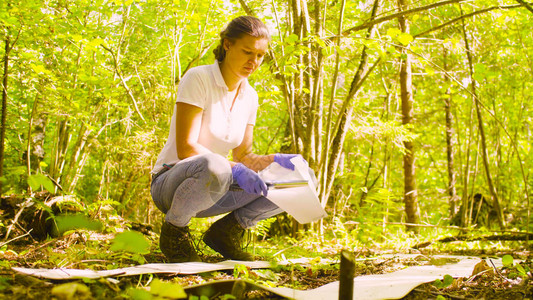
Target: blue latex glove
[248, 180]
[285, 160]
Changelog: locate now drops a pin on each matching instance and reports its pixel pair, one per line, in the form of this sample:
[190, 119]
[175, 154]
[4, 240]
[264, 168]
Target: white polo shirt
[222, 130]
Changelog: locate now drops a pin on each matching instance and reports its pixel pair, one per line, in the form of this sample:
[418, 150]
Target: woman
[214, 114]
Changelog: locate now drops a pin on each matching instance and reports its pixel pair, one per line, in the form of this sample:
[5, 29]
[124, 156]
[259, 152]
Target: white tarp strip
[393, 285]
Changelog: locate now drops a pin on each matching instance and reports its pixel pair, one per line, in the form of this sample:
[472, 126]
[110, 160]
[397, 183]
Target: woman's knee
[216, 169]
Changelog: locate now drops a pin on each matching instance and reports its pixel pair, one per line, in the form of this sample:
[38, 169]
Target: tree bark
[450, 143]
[406, 85]
[484, 153]
[334, 146]
[4, 107]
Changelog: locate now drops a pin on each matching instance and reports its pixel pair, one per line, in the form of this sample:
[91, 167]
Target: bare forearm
[256, 162]
[188, 150]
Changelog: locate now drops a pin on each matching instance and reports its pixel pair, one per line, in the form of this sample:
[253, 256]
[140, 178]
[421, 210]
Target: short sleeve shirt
[222, 127]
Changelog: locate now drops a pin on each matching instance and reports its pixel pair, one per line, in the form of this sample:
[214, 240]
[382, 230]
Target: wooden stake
[346, 275]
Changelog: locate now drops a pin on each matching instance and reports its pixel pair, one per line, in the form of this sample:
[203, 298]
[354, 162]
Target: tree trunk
[410, 192]
[4, 108]
[450, 143]
[495, 201]
[333, 146]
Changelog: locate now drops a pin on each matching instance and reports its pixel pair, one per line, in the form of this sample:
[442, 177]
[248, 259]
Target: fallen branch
[14, 239]
[520, 236]
[431, 226]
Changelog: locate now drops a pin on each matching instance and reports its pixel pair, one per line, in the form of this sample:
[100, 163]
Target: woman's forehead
[251, 42]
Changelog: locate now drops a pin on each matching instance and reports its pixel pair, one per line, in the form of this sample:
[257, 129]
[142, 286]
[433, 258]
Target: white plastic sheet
[393, 285]
[300, 202]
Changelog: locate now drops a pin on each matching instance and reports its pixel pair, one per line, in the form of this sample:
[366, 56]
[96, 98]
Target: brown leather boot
[176, 244]
[225, 237]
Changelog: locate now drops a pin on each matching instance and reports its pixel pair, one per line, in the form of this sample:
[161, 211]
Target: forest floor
[101, 249]
[74, 250]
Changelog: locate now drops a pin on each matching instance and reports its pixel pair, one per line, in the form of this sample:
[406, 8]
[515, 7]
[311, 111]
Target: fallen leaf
[481, 267]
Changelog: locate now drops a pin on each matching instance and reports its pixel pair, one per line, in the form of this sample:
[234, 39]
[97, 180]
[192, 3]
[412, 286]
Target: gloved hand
[248, 180]
[285, 160]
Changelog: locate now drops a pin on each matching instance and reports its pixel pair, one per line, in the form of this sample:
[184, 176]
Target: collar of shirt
[219, 80]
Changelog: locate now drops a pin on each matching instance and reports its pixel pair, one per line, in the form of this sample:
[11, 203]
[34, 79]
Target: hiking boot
[176, 244]
[225, 237]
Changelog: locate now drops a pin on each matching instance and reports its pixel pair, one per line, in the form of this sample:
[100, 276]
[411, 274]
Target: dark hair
[235, 30]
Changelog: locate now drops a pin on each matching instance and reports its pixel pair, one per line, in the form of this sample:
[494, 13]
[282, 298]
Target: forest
[415, 115]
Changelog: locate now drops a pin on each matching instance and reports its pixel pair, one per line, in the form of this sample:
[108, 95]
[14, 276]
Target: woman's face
[245, 55]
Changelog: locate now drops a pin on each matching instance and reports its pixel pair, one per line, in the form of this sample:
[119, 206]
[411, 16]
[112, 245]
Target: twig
[527, 5]
[123, 81]
[283, 250]
[42, 246]
[397, 15]
[15, 220]
[498, 271]
[14, 239]
[464, 17]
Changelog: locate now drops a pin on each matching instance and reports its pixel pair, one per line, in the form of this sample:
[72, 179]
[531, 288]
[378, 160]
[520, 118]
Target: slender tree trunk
[324, 159]
[406, 85]
[450, 143]
[466, 177]
[4, 107]
[484, 153]
[334, 146]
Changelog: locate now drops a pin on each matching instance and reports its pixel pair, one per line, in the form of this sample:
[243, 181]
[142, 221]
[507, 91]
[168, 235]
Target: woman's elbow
[185, 151]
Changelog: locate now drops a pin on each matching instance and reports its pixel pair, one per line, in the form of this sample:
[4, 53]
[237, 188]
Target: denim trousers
[198, 187]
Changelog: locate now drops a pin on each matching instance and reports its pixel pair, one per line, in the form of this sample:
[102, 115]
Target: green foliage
[515, 270]
[241, 271]
[446, 282]
[71, 291]
[38, 180]
[70, 222]
[167, 290]
[100, 78]
[130, 241]
[507, 260]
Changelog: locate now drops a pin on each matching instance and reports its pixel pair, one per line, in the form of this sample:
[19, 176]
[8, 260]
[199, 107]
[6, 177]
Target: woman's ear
[226, 44]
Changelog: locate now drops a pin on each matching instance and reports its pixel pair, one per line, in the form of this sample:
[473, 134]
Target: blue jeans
[199, 187]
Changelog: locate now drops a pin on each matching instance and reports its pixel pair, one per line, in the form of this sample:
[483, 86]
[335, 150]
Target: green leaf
[507, 260]
[393, 32]
[138, 294]
[71, 290]
[131, 241]
[293, 38]
[32, 182]
[70, 222]
[438, 283]
[35, 182]
[405, 38]
[167, 290]
[520, 269]
[448, 280]
[480, 68]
